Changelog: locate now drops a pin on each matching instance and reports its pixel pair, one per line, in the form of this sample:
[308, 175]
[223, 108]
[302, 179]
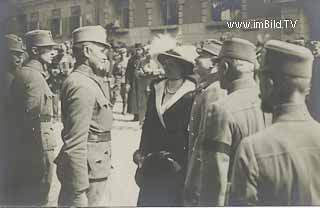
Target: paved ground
[125, 140]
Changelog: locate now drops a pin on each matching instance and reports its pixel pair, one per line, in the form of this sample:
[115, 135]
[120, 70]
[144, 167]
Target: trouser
[98, 194]
[27, 190]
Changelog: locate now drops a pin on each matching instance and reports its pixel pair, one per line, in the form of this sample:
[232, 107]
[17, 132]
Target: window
[169, 12]
[34, 21]
[55, 23]
[23, 25]
[124, 14]
[75, 19]
[225, 10]
[122, 10]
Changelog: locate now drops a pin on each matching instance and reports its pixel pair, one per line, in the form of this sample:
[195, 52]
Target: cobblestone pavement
[125, 140]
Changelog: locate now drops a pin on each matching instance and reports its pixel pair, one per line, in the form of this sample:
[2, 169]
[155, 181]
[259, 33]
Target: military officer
[279, 165]
[13, 60]
[32, 115]
[229, 120]
[207, 92]
[84, 162]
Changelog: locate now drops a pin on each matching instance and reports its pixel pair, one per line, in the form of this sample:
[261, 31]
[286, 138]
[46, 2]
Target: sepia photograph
[159, 103]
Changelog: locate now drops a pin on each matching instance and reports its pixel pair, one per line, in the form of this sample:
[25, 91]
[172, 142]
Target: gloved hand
[138, 158]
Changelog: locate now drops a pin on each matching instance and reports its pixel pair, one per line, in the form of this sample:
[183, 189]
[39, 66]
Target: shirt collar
[211, 78]
[291, 112]
[86, 70]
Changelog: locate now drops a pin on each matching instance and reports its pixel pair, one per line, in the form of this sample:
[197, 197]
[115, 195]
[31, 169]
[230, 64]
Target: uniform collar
[211, 78]
[244, 83]
[87, 71]
[38, 66]
[291, 112]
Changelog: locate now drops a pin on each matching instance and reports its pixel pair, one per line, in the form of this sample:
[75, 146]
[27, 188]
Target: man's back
[229, 120]
[281, 164]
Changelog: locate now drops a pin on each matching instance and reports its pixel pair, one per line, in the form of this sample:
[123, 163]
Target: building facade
[132, 21]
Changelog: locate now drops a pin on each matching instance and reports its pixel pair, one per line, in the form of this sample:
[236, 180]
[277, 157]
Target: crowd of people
[225, 122]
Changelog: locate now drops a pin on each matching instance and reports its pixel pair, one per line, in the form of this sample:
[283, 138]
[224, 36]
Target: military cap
[211, 46]
[39, 38]
[290, 59]
[14, 43]
[95, 34]
[238, 48]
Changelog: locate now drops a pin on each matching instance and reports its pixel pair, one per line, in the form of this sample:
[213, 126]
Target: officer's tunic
[207, 92]
[280, 165]
[34, 139]
[87, 119]
[229, 120]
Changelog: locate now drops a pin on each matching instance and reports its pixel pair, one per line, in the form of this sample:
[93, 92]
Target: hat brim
[16, 50]
[162, 56]
[47, 44]
[102, 43]
[210, 51]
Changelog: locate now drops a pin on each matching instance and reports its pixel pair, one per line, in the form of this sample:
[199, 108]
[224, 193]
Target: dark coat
[279, 166]
[34, 139]
[137, 95]
[165, 130]
[87, 121]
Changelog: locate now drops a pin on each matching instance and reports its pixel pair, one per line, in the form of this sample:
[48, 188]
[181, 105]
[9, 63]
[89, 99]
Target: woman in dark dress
[162, 155]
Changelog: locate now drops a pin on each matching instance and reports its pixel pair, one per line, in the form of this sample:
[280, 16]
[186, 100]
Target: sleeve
[244, 177]
[32, 96]
[77, 105]
[215, 157]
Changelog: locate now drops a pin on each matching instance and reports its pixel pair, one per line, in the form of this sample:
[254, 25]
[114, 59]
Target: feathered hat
[163, 46]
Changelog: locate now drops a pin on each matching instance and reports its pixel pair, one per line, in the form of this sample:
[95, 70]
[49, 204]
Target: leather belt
[99, 137]
[45, 118]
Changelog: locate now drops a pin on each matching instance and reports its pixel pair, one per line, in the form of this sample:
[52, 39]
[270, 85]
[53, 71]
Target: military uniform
[84, 162]
[279, 165]
[207, 92]
[14, 44]
[228, 120]
[35, 141]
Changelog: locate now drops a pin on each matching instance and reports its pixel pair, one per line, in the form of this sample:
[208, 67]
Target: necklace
[172, 92]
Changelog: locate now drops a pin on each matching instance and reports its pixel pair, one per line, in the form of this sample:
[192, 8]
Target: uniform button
[195, 103]
[184, 148]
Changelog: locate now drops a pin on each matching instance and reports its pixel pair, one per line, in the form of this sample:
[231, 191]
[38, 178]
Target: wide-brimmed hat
[185, 54]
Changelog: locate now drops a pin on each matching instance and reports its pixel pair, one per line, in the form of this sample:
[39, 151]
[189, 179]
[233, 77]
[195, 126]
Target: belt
[99, 137]
[45, 118]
